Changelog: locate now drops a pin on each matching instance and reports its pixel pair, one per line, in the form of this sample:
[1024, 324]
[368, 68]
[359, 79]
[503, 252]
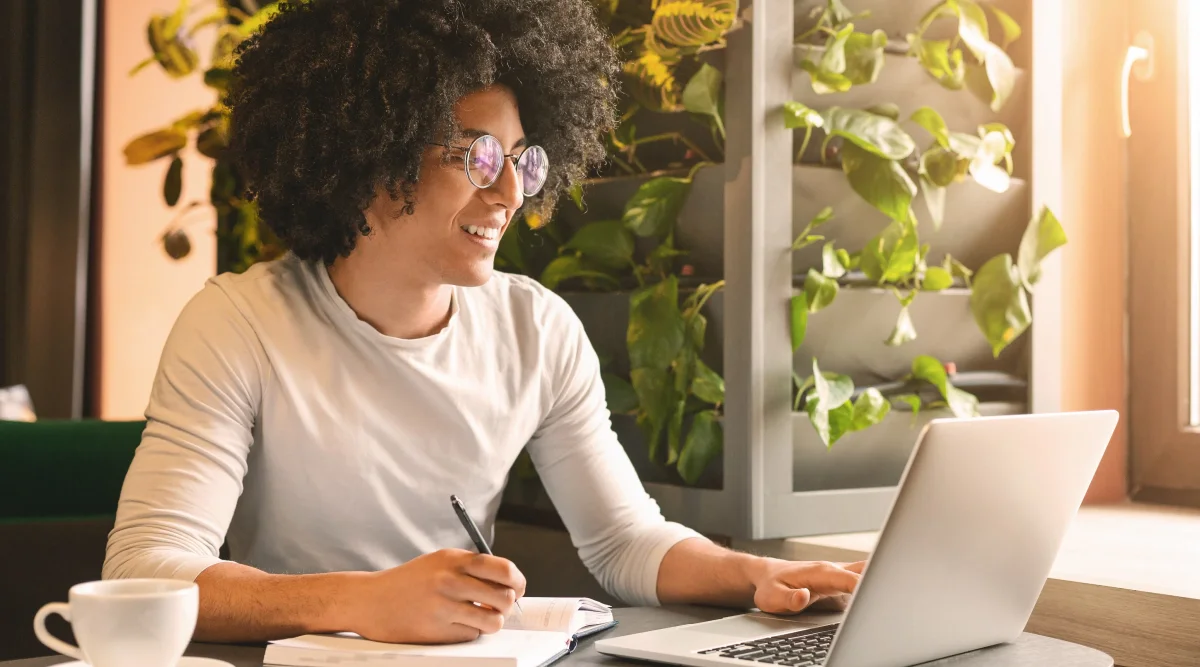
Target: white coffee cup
[125, 622]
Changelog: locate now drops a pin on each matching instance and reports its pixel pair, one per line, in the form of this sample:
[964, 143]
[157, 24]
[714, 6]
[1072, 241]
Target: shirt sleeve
[182, 487]
[617, 527]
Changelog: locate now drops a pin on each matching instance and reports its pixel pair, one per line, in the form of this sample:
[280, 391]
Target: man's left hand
[789, 587]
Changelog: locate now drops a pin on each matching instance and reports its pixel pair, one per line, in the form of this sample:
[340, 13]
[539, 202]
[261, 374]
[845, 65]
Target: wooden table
[1030, 650]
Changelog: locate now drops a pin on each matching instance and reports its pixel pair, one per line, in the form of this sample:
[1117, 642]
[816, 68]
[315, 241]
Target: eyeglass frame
[516, 159]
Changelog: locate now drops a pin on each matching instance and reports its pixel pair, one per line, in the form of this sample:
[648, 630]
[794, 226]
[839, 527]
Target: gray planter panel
[979, 223]
[906, 84]
[700, 228]
[874, 457]
[899, 17]
[847, 336]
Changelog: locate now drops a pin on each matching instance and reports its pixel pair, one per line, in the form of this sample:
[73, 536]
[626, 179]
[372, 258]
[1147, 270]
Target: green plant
[884, 166]
[241, 237]
[675, 397]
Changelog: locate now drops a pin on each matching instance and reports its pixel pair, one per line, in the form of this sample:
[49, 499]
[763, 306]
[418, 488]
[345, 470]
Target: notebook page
[348, 648]
[542, 614]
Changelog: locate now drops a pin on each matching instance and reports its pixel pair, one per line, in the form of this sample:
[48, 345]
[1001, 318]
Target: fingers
[855, 567]
[496, 570]
[779, 598]
[821, 577]
[480, 619]
[466, 588]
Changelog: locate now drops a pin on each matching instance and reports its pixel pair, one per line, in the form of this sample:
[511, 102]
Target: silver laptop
[978, 519]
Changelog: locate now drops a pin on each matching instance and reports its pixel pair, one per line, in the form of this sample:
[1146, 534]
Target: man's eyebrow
[475, 134]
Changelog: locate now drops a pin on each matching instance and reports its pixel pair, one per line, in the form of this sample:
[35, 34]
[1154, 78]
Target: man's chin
[472, 276]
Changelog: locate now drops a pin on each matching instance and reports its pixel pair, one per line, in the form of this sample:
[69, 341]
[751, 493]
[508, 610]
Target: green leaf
[892, 255]
[831, 262]
[675, 426]
[607, 243]
[904, 331]
[828, 406]
[621, 397]
[819, 290]
[940, 165]
[883, 183]
[176, 58]
[825, 82]
[935, 201]
[173, 183]
[999, 303]
[885, 109]
[1009, 142]
[831, 389]
[576, 193]
[568, 267]
[656, 397]
[702, 94]
[154, 145]
[704, 443]
[846, 259]
[708, 386]
[973, 28]
[1042, 236]
[799, 320]
[652, 210]
[912, 400]
[934, 124]
[806, 238]
[982, 166]
[937, 279]
[998, 80]
[258, 20]
[838, 12]
[212, 141]
[864, 57]
[869, 409]
[834, 58]
[943, 64]
[878, 134]
[175, 20]
[218, 78]
[797, 115]
[929, 369]
[1012, 29]
[957, 268]
[656, 327]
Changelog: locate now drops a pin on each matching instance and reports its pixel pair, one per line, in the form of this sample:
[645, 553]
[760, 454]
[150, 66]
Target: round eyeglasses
[484, 159]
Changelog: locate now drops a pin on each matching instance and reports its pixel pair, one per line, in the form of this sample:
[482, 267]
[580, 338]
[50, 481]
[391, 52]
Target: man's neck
[392, 302]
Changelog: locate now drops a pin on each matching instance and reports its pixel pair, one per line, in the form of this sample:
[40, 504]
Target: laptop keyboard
[796, 649]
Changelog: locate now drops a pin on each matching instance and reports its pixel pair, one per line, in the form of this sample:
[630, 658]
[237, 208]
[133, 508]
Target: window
[1164, 270]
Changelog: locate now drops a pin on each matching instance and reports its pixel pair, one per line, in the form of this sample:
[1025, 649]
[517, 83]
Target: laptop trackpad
[759, 624]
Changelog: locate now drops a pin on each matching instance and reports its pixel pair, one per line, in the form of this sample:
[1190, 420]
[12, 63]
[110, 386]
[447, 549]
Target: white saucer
[185, 661]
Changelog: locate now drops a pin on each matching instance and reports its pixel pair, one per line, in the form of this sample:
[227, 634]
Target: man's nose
[506, 191]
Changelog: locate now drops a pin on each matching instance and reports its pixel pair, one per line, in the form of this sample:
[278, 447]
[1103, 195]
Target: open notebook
[545, 630]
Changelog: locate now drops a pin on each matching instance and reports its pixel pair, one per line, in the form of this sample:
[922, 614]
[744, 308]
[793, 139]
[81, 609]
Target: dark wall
[48, 66]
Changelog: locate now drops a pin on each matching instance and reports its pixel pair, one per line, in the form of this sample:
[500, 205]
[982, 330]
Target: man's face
[433, 244]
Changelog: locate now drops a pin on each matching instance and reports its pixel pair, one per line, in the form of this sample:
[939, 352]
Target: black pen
[473, 532]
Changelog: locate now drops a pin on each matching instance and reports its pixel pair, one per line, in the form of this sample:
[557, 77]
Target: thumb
[779, 598]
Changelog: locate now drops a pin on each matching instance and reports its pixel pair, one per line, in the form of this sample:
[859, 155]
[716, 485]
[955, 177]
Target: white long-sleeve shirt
[314, 443]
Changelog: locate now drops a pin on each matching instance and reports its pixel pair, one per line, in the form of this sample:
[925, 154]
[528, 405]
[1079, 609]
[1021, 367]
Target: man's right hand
[431, 599]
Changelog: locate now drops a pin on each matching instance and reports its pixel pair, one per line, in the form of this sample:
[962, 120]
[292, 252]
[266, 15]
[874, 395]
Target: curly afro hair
[334, 98]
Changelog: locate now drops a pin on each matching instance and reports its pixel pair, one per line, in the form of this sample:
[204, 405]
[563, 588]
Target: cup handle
[39, 628]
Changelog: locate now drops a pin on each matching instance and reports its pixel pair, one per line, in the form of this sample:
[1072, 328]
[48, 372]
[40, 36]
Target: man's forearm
[241, 604]
[696, 571]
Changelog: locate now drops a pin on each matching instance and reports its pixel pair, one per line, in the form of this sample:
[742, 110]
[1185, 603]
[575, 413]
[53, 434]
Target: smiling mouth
[489, 233]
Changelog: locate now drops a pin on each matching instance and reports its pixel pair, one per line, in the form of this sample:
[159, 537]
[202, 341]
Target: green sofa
[59, 486]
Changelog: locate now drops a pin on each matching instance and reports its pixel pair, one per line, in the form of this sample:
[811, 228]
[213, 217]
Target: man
[318, 411]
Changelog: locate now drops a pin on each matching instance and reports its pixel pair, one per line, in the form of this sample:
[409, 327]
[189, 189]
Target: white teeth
[490, 233]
